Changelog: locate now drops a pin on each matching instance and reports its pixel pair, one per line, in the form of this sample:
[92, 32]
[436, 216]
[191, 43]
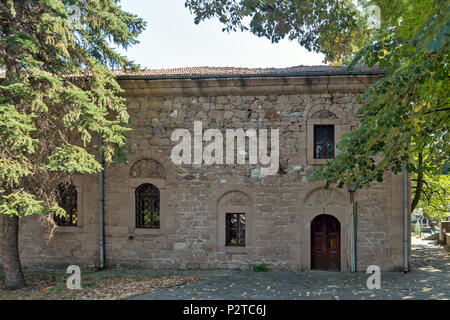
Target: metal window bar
[68, 201]
[147, 206]
[324, 141]
[235, 229]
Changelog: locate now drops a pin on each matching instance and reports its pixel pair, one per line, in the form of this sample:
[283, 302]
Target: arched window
[67, 201]
[147, 206]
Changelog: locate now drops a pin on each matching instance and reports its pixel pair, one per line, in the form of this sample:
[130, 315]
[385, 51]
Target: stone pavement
[429, 280]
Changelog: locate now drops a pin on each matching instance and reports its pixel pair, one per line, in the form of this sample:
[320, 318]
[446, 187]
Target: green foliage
[20, 203]
[58, 94]
[406, 112]
[88, 283]
[57, 287]
[72, 159]
[260, 268]
[435, 197]
[327, 26]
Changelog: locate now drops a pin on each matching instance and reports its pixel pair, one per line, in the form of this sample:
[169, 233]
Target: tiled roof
[229, 72]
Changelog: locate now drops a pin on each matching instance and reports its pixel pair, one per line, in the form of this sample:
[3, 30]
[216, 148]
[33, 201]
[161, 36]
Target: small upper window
[147, 206]
[235, 229]
[67, 201]
[323, 141]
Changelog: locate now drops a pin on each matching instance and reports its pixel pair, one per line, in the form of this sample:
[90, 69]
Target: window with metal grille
[68, 201]
[235, 229]
[324, 141]
[147, 206]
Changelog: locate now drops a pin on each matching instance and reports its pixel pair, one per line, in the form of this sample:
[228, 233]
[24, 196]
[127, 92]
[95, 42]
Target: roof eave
[260, 75]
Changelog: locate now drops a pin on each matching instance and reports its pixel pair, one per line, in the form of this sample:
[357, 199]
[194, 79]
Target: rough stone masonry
[194, 199]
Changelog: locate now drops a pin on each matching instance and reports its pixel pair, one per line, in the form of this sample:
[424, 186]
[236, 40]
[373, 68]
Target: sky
[172, 40]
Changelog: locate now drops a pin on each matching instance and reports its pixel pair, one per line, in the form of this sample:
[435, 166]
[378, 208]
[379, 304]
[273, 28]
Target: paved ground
[429, 280]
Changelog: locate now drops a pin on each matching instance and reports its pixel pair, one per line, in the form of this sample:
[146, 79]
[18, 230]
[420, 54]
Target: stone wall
[194, 198]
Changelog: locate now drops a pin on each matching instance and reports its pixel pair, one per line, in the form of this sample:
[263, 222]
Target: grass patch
[89, 283]
[57, 287]
[260, 268]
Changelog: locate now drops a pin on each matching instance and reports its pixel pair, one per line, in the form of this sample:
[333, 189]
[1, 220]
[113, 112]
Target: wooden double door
[326, 243]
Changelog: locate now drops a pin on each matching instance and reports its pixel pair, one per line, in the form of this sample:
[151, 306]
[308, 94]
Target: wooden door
[325, 243]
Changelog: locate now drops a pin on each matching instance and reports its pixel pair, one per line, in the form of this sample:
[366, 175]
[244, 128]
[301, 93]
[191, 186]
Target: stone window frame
[78, 183]
[340, 127]
[131, 221]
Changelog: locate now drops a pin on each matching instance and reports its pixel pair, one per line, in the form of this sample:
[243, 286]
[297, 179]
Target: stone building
[160, 215]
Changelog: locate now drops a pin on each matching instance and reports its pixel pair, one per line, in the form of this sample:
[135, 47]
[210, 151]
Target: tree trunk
[419, 184]
[12, 269]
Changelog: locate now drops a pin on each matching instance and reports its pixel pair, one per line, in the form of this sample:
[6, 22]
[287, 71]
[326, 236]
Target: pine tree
[57, 94]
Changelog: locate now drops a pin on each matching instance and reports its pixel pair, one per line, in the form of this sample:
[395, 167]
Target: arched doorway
[326, 243]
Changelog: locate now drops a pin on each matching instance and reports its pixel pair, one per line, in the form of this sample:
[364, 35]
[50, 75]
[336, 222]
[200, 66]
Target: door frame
[340, 213]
